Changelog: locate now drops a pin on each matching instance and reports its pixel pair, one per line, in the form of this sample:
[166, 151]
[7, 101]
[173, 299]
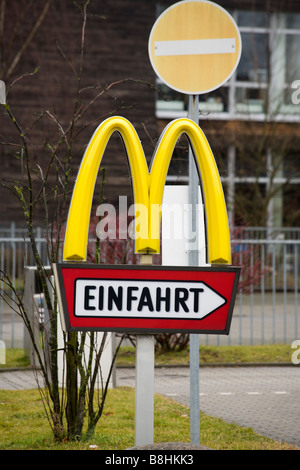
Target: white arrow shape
[144, 298]
[210, 300]
[195, 47]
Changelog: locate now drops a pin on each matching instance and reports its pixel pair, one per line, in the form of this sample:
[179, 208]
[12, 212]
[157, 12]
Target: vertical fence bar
[273, 292]
[6, 270]
[1, 298]
[262, 289]
[251, 247]
[13, 277]
[284, 292]
[296, 288]
[240, 301]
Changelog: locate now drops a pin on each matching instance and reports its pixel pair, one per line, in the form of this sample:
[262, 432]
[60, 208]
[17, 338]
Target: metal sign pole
[194, 261]
[144, 383]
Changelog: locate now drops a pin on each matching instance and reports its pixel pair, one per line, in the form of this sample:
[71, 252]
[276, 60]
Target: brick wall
[116, 50]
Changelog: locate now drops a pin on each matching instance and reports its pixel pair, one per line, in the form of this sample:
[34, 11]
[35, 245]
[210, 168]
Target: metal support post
[144, 390]
[144, 383]
[194, 261]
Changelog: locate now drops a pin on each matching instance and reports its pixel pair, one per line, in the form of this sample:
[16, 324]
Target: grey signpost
[194, 261]
[172, 55]
[144, 383]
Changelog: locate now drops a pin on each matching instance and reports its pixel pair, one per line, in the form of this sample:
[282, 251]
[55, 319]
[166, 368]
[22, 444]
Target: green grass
[23, 425]
[15, 358]
[275, 353]
[266, 354]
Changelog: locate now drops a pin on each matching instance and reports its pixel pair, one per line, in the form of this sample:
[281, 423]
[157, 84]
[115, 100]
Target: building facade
[251, 122]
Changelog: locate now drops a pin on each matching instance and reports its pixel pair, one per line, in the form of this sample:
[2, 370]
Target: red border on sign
[222, 280]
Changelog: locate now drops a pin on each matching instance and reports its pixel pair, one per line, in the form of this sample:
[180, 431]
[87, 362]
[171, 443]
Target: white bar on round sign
[195, 47]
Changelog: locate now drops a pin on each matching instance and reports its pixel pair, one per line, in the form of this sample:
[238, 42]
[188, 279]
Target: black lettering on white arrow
[146, 299]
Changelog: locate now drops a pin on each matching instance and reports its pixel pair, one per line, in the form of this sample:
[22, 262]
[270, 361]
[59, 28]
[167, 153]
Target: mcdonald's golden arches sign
[139, 298]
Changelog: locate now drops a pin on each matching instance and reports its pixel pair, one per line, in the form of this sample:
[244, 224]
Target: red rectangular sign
[152, 299]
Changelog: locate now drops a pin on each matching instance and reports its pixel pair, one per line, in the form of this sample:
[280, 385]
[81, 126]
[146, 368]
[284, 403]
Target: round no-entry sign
[194, 46]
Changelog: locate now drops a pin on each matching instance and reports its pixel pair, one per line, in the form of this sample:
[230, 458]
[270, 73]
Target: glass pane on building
[292, 51]
[254, 63]
[293, 20]
[255, 19]
[214, 102]
[251, 100]
[170, 100]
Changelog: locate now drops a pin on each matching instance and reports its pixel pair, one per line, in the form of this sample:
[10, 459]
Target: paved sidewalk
[266, 399]
[18, 379]
[263, 398]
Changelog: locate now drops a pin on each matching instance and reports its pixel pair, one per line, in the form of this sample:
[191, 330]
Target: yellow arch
[76, 236]
[148, 187]
[218, 234]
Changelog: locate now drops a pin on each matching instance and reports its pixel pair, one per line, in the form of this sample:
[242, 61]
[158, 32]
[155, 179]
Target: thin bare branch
[29, 38]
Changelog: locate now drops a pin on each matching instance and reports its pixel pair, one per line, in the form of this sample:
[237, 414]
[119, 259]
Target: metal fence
[266, 309]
